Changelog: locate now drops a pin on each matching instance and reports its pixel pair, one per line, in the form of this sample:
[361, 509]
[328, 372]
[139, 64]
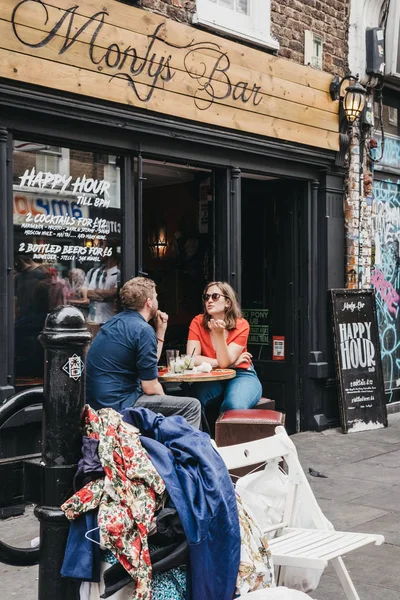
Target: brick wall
[81, 163]
[289, 19]
[86, 163]
[179, 10]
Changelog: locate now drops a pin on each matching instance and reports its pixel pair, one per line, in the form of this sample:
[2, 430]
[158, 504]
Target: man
[121, 366]
[28, 274]
[102, 289]
[32, 303]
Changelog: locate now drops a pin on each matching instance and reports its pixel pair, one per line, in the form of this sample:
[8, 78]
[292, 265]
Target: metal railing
[10, 555]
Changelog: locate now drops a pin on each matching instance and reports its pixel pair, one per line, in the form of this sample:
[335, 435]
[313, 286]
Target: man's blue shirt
[123, 353]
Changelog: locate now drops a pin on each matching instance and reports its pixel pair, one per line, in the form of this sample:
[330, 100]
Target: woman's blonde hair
[232, 311]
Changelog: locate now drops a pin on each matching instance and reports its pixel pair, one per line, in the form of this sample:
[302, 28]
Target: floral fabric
[256, 571]
[127, 497]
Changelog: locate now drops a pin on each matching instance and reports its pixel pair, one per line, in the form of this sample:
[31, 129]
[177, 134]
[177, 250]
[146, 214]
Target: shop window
[112, 175]
[313, 49]
[48, 158]
[246, 19]
[67, 241]
[53, 159]
[392, 116]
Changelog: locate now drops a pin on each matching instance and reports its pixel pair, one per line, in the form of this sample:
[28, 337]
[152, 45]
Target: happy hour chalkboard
[358, 360]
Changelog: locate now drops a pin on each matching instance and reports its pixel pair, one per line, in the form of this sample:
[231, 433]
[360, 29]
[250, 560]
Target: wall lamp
[354, 96]
[158, 242]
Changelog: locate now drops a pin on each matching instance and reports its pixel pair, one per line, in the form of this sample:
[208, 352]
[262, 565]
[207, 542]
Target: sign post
[358, 360]
[65, 338]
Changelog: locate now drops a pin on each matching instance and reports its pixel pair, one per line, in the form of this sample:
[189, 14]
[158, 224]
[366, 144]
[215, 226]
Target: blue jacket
[200, 487]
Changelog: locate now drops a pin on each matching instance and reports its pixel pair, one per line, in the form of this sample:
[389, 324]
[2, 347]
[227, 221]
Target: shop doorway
[272, 294]
[176, 218]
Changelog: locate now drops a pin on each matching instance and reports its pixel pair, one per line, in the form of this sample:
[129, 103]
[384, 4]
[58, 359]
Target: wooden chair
[294, 547]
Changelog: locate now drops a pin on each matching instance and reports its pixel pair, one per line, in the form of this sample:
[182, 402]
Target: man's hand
[217, 326]
[160, 323]
[244, 357]
[152, 387]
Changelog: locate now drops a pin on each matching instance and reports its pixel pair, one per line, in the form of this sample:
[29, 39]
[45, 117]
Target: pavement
[361, 492]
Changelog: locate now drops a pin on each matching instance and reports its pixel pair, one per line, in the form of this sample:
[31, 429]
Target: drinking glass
[179, 364]
[171, 356]
[189, 362]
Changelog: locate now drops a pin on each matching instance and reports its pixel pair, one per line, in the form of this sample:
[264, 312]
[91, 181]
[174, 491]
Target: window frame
[254, 27]
[393, 115]
[311, 58]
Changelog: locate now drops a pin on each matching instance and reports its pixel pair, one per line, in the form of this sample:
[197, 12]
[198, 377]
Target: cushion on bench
[237, 426]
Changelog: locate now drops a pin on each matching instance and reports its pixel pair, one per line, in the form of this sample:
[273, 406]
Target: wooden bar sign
[358, 360]
[117, 53]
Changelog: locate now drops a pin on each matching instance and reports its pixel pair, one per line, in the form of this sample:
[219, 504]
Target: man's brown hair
[135, 292]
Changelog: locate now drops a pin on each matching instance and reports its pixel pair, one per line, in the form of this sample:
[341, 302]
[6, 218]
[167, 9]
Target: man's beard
[153, 313]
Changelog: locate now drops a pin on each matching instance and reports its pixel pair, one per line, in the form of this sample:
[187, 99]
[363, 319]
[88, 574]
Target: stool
[238, 426]
[212, 412]
[265, 404]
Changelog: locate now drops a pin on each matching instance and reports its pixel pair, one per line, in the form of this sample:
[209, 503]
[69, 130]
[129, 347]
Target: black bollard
[65, 339]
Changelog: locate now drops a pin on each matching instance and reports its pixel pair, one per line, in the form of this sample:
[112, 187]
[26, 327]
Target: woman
[219, 337]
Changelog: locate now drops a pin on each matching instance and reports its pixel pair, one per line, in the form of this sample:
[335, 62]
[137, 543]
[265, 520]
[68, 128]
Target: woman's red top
[239, 336]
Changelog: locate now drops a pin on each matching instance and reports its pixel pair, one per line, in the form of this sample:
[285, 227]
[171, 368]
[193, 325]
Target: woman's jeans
[243, 391]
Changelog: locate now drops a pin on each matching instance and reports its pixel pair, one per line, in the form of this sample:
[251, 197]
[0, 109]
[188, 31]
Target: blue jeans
[244, 391]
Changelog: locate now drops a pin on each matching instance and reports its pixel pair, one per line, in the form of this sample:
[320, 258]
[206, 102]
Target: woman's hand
[217, 326]
[244, 357]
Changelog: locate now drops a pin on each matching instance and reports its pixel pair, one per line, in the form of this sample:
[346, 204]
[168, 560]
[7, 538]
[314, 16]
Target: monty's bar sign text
[126, 64]
[359, 370]
[114, 52]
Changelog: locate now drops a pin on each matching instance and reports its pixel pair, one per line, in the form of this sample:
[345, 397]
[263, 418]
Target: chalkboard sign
[358, 360]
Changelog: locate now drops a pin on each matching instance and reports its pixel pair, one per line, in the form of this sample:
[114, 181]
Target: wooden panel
[134, 57]
[281, 88]
[176, 34]
[181, 83]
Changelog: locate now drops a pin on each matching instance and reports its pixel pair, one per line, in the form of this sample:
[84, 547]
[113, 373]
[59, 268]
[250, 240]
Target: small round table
[190, 377]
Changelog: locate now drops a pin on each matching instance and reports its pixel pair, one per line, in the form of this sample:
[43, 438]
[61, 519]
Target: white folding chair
[295, 547]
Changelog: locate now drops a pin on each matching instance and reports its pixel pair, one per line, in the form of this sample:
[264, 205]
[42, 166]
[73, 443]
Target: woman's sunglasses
[213, 296]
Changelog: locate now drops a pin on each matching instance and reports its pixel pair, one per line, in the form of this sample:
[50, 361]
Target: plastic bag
[264, 492]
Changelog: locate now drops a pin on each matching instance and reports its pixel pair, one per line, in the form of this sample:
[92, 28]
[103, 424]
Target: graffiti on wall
[386, 278]
[391, 155]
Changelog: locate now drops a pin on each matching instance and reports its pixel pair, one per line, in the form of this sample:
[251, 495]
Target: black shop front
[184, 189]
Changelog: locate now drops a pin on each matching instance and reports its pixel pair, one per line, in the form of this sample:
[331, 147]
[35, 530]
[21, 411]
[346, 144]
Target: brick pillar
[352, 211]
[358, 214]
